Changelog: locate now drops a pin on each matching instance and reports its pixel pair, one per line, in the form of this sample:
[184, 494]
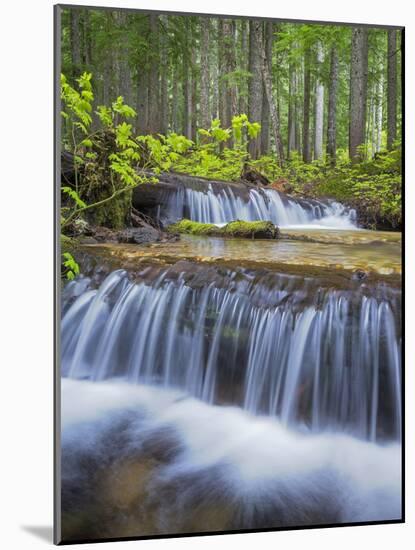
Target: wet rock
[359, 275]
[103, 234]
[139, 235]
[88, 240]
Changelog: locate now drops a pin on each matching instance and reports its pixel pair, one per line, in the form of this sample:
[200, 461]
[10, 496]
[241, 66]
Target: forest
[327, 99]
[231, 259]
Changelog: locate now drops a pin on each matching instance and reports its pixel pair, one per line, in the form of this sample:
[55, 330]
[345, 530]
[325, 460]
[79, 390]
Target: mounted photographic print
[228, 289]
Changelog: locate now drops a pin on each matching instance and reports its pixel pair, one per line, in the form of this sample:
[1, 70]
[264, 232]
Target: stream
[223, 384]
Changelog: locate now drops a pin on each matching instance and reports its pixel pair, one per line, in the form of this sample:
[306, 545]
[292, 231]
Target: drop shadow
[43, 532]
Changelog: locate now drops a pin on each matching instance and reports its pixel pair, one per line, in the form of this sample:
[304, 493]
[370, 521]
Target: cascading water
[223, 205]
[199, 398]
[329, 362]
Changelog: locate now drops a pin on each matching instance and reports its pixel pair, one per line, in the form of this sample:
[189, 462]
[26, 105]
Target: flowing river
[214, 384]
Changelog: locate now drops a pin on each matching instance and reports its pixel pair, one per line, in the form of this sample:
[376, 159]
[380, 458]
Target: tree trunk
[124, 85]
[291, 144]
[75, 38]
[299, 83]
[205, 75]
[154, 95]
[243, 65]
[265, 122]
[187, 91]
[142, 101]
[255, 83]
[174, 103]
[215, 84]
[319, 116]
[392, 88]
[228, 67]
[379, 114]
[358, 92]
[222, 99]
[108, 84]
[86, 40]
[193, 65]
[332, 106]
[164, 66]
[267, 85]
[306, 117]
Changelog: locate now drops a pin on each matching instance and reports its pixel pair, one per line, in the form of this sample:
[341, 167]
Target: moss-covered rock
[235, 229]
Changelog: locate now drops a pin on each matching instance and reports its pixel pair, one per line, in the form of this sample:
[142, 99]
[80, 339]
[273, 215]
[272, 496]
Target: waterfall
[223, 205]
[329, 362]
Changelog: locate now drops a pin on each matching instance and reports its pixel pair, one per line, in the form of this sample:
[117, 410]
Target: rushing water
[202, 398]
[330, 362]
[140, 460]
[223, 205]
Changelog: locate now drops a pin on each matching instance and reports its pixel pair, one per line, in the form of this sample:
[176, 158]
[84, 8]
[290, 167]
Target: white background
[26, 285]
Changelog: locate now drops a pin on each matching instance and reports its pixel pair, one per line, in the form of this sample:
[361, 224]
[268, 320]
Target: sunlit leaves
[74, 196]
[70, 268]
[119, 107]
[78, 103]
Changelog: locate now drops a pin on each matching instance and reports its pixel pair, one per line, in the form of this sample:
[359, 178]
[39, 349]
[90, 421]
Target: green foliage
[212, 158]
[74, 196]
[70, 268]
[372, 186]
[108, 156]
[164, 151]
[78, 102]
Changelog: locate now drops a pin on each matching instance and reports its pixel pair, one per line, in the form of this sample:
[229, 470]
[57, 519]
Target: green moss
[259, 230]
[67, 243]
[236, 229]
[113, 214]
[194, 228]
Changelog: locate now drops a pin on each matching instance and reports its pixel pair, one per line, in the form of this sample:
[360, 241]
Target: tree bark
[164, 66]
[228, 67]
[187, 91]
[142, 101]
[379, 114]
[267, 85]
[86, 40]
[299, 105]
[109, 69]
[124, 85]
[255, 83]
[319, 107]
[243, 64]
[392, 88]
[75, 39]
[332, 106]
[175, 100]
[222, 100]
[205, 75]
[193, 72]
[265, 122]
[291, 144]
[306, 118]
[358, 92]
[154, 95]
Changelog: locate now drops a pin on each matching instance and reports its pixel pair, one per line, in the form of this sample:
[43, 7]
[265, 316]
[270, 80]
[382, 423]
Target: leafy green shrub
[105, 160]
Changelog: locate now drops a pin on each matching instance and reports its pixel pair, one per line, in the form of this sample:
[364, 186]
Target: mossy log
[235, 229]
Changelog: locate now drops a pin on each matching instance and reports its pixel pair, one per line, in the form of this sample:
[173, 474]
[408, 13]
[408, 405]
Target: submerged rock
[139, 235]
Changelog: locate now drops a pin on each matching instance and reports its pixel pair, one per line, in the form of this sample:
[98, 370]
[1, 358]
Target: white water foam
[251, 460]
